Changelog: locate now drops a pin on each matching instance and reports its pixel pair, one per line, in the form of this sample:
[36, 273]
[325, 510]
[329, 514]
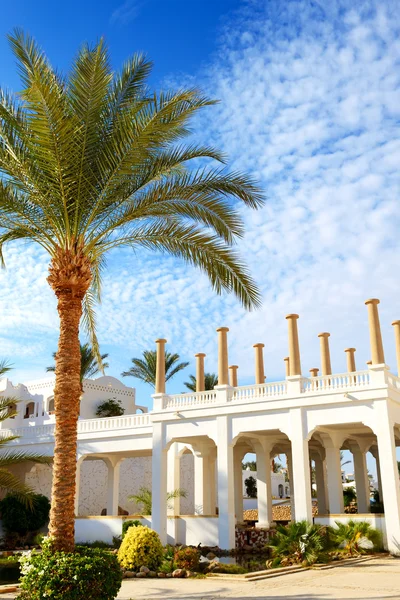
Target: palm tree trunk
[67, 395]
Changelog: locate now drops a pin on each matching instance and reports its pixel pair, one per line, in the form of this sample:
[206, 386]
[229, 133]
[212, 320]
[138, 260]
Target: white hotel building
[197, 441]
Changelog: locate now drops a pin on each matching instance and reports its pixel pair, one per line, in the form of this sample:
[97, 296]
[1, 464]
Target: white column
[389, 476]
[290, 473]
[212, 465]
[79, 462]
[301, 467]
[375, 454]
[237, 458]
[334, 472]
[202, 495]
[361, 479]
[322, 488]
[264, 486]
[174, 477]
[159, 467]
[226, 504]
[113, 466]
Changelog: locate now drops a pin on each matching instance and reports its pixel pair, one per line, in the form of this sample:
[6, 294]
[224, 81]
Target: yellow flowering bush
[140, 547]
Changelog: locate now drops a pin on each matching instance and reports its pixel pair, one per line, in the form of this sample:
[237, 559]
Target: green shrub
[140, 547]
[300, 543]
[87, 573]
[356, 537]
[18, 518]
[187, 558]
[110, 408]
[97, 544]
[127, 524]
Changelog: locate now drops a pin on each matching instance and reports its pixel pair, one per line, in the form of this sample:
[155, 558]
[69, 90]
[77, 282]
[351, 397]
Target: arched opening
[51, 409]
[280, 490]
[29, 410]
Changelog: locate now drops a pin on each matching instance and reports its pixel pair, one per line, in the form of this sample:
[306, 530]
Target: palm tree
[210, 381]
[356, 537]
[299, 542]
[93, 162]
[89, 363]
[145, 498]
[5, 367]
[145, 368]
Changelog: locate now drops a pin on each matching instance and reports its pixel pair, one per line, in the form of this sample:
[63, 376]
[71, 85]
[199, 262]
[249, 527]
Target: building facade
[309, 419]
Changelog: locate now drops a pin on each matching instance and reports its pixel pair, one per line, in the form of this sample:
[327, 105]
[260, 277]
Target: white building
[209, 433]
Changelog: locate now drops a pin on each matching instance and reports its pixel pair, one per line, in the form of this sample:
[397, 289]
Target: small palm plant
[210, 381]
[145, 368]
[144, 498]
[89, 362]
[299, 543]
[9, 483]
[356, 537]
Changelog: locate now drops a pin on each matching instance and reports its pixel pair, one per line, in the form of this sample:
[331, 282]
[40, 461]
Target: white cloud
[125, 12]
[310, 102]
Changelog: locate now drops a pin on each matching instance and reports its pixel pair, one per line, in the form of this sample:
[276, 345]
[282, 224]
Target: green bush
[300, 543]
[127, 524]
[87, 573]
[187, 558]
[140, 547]
[110, 408]
[19, 518]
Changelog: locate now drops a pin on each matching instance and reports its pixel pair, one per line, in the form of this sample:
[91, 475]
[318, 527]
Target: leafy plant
[91, 364]
[110, 408]
[19, 518]
[140, 547]
[251, 487]
[187, 558]
[210, 381]
[250, 464]
[349, 495]
[299, 543]
[145, 368]
[130, 523]
[88, 573]
[356, 537]
[145, 498]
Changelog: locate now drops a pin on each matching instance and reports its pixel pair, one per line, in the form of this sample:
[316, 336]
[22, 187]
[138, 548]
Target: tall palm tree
[93, 162]
[5, 367]
[145, 368]
[210, 381]
[90, 365]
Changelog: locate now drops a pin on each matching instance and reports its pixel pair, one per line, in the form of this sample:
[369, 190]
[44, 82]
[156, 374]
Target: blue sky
[310, 105]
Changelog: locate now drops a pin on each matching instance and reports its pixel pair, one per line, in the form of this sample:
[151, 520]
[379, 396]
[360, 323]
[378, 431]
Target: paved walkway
[377, 579]
[372, 580]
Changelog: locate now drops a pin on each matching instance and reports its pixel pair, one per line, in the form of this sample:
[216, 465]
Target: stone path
[378, 579]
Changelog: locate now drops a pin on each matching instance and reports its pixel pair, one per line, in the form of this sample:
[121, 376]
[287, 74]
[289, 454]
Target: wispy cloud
[310, 104]
[126, 12]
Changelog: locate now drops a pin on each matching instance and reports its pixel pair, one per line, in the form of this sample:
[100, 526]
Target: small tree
[210, 381]
[251, 487]
[145, 498]
[110, 408]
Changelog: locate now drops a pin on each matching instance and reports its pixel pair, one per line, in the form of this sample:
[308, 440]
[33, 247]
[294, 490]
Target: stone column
[223, 356]
[377, 354]
[174, 477]
[334, 472]
[362, 480]
[238, 475]
[294, 349]
[159, 465]
[287, 366]
[396, 325]
[389, 476]
[160, 367]
[264, 487]
[200, 372]
[375, 454]
[233, 377]
[113, 465]
[226, 495]
[350, 359]
[212, 465]
[314, 372]
[259, 363]
[301, 466]
[79, 462]
[326, 368]
[290, 473]
[322, 488]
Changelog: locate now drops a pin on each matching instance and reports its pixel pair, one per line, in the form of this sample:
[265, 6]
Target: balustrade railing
[342, 381]
[259, 391]
[187, 400]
